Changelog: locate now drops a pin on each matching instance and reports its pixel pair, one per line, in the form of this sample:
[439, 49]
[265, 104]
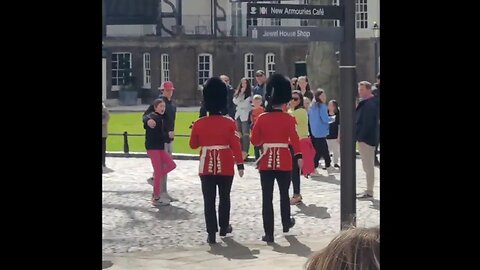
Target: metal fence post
[125, 142]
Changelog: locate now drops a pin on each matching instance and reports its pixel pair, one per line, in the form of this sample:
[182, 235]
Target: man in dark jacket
[231, 107]
[367, 117]
[261, 83]
[170, 111]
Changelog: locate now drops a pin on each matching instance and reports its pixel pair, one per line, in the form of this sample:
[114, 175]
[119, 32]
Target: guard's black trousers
[209, 190]
[267, 178]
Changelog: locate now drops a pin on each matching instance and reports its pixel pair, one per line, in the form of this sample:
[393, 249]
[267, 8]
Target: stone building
[188, 41]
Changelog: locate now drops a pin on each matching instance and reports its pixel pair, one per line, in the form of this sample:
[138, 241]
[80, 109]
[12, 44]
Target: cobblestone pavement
[131, 224]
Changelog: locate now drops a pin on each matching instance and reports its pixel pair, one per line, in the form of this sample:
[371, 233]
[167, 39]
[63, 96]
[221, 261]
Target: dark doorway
[300, 69]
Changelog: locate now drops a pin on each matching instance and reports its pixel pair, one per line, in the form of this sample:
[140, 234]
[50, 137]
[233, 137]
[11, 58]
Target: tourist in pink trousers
[156, 135]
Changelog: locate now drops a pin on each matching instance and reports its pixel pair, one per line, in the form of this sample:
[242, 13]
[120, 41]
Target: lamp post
[376, 35]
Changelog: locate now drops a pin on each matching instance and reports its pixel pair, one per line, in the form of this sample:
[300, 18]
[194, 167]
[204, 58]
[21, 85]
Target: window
[304, 22]
[204, 67]
[164, 68]
[276, 22]
[146, 70]
[121, 63]
[248, 63]
[361, 14]
[270, 64]
[336, 23]
[252, 22]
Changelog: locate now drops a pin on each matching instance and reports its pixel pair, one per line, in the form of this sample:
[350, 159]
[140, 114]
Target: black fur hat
[215, 95]
[278, 90]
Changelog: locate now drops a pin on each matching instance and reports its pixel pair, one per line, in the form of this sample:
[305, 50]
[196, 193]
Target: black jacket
[367, 117]
[333, 127]
[155, 138]
[170, 111]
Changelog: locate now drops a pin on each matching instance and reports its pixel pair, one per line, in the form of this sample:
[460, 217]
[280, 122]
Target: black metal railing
[125, 134]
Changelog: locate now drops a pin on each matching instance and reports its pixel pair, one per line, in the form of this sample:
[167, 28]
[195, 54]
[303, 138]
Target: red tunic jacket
[275, 131]
[220, 144]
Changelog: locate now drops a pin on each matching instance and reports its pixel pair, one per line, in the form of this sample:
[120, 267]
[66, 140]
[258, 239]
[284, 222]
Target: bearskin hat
[214, 95]
[278, 90]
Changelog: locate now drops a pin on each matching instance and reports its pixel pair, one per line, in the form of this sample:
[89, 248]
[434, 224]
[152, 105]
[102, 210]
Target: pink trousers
[162, 164]
[308, 153]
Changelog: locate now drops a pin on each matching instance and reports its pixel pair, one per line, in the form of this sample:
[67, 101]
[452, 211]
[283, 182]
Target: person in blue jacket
[319, 125]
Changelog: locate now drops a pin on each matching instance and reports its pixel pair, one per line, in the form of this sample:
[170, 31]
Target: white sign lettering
[270, 34]
[276, 10]
[301, 33]
[288, 33]
[319, 11]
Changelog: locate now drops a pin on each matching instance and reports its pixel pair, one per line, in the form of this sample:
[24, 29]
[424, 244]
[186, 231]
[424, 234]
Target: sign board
[127, 12]
[286, 11]
[244, 1]
[295, 33]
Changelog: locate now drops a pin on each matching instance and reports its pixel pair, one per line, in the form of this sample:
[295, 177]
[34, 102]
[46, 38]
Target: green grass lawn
[132, 123]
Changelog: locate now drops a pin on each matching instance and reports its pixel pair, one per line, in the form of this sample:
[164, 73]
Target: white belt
[266, 146]
[204, 153]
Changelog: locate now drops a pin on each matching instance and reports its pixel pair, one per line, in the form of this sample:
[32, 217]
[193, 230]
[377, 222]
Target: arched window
[269, 64]
[164, 68]
[146, 71]
[205, 67]
[249, 71]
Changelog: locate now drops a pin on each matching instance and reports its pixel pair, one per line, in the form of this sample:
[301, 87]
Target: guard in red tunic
[219, 140]
[274, 131]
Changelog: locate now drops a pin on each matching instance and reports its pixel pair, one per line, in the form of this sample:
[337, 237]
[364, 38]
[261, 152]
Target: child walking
[156, 135]
[333, 138]
[256, 111]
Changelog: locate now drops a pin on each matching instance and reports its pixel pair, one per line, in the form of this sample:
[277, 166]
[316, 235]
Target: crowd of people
[291, 127]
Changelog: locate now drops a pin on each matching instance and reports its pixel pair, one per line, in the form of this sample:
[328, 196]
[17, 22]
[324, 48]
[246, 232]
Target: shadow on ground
[123, 192]
[295, 247]
[331, 179]
[375, 204]
[314, 211]
[171, 212]
[168, 212]
[233, 250]
[106, 264]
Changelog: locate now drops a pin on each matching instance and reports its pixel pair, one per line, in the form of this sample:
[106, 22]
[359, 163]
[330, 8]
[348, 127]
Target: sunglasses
[295, 99]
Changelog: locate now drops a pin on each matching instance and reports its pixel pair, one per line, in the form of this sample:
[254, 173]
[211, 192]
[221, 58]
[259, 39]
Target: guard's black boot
[292, 223]
[224, 231]
[211, 238]
[267, 238]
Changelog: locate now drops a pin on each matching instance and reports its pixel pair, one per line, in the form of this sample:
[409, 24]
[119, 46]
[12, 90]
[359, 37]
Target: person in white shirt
[242, 98]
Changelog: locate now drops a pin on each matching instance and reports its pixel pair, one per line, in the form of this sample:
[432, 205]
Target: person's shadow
[171, 212]
[375, 204]
[106, 264]
[314, 211]
[296, 247]
[233, 250]
[331, 179]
